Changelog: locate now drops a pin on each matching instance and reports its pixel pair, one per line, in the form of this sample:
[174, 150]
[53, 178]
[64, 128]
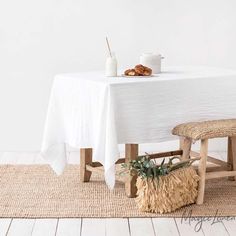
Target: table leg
[131, 153]
[85, 159]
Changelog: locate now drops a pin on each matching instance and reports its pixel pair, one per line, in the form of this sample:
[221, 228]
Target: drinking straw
[109, 49]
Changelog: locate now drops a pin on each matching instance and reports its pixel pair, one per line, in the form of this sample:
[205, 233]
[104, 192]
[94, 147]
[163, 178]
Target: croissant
[139, 70]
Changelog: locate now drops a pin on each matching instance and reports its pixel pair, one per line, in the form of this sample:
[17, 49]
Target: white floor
[109, 226]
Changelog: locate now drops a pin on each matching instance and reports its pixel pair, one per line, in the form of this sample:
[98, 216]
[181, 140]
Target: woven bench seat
[206, 129]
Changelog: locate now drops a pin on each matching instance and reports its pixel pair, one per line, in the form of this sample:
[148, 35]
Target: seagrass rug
[34, 191]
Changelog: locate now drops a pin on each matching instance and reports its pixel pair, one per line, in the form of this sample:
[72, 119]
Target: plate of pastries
[138, 70]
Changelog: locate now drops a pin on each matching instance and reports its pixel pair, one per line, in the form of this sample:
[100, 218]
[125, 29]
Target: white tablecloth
[91, 110]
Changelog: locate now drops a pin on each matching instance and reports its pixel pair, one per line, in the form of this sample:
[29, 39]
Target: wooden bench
[204, 131]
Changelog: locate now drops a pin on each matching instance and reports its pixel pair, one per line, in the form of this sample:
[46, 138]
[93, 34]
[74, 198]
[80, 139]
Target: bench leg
[185, 146]
[131, 153]
[202, 170]
[85, 159]
[231, 155]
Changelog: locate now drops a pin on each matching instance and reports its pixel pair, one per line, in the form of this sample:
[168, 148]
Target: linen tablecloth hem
[110, 177]
[55, 156]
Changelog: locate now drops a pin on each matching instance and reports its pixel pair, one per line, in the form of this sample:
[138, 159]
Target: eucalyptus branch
[144, 167]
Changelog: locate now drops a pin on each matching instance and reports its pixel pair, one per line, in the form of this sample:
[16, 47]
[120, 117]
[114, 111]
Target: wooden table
[89, 110]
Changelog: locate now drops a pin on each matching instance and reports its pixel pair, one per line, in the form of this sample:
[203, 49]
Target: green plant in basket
[145, 167]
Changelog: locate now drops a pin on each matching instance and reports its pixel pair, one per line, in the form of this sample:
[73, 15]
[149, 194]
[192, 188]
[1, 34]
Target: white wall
[39, 39]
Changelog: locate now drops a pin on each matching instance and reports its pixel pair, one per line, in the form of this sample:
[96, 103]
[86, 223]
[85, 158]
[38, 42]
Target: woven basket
[169, 192]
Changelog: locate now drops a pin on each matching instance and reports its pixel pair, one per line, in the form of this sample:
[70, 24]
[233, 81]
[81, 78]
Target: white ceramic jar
[111, 66]
[152, 61]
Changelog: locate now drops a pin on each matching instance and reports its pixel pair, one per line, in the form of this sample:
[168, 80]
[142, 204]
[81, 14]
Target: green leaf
[163, 161]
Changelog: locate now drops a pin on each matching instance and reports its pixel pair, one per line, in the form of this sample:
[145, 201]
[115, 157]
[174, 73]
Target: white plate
[138, 76]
